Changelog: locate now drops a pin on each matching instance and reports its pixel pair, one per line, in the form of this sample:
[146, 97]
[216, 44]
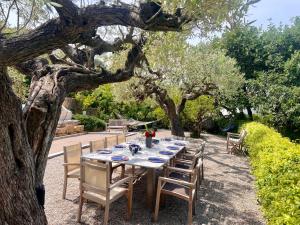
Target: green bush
[91, 123]
[276, 165]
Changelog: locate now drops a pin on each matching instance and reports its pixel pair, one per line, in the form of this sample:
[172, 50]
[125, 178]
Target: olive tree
[171, 65]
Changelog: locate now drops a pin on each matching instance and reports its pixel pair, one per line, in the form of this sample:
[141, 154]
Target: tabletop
[172, 147]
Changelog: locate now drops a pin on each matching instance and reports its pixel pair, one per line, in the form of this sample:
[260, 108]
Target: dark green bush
[276, 165]
[91, 123]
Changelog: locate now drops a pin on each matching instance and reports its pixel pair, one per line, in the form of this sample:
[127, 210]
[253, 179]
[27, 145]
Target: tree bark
[165, 102]
[176, 127]
[19, 204]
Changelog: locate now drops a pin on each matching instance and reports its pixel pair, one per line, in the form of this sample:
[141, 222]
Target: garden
[190, 70]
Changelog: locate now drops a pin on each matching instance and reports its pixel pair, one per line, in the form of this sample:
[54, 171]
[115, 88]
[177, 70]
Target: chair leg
[106, 213]
[202, 172]
[190, 213]
[194, 205]
[80, 209]
[129, 200]
[227, 147]
[65, 187]
[123, 171]
[157, 202]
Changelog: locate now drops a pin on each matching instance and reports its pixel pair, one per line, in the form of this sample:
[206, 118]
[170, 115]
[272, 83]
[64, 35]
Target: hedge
[91, 123]
[275, 163]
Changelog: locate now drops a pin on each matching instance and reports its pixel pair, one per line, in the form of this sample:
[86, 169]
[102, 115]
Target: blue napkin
[179, 144]
[119, 158]
[120, 146]
[166, 153]
[156, 160]
[168, 139]
[104, 151]
[155, 141]
[172, 147]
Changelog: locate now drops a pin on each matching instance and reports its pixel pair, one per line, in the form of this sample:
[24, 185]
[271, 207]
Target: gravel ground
[227, 195]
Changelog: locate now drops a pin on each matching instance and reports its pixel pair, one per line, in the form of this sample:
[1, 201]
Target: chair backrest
[94, 176]
[195, 177]
[72, 154]
[196, 158]
[97, 144]
[203, 146]
[121, 138]
[115, 122]
[243, 135]
[110, 141]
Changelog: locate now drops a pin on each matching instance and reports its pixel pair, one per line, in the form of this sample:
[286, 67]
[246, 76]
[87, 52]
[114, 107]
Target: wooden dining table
[143, 159]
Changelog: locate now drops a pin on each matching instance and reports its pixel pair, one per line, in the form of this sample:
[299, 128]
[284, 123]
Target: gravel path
[226, 196]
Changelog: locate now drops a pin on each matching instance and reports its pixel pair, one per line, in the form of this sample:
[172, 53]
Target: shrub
[91, 123]
[276, 165]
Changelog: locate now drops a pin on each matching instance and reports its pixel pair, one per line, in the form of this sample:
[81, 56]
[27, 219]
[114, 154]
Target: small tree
[190, 72]
[199, 110]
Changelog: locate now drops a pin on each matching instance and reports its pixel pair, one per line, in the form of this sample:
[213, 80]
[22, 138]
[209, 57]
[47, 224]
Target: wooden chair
[235, 142]
[180, 183]
[72, 154]
[121, 138]
[189, 159]
[111, 141]
[102, 144]
[97, 144]
[117, 124]
[95, 186]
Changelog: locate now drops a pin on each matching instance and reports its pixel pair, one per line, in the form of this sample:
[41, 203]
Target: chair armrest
[188, 155]
[180, 170]
[71, 164]
[120, 182]
[229, 134]
[182, 161]
[178, 182]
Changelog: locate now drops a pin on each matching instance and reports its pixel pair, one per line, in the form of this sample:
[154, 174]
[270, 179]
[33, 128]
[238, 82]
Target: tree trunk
[249, 111]
[41, 115]
[176, 127]
[248, 105]
[19, 204]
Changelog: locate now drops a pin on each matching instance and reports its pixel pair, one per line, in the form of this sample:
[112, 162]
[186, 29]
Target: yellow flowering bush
[275, 163]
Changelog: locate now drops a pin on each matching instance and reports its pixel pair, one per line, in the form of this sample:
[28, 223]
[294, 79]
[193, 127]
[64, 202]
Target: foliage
[292, 70]
[211, 15]
[20, 83]
[270, 60]
[276, 165]
[100, 99]
[198, 111]
[91, 123]
[107, 105]
[279, 105]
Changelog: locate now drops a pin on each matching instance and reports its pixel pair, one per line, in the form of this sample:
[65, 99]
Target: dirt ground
[227, 195]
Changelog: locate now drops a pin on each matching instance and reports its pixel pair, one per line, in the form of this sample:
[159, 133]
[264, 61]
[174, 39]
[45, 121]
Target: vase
[148, 142]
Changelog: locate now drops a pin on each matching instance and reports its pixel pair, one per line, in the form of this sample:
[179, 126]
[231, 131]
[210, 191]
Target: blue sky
[277, 10]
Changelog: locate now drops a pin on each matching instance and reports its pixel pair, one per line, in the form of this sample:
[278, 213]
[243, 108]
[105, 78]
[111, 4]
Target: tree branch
[77, 79]
[66, 9]
[56, 33]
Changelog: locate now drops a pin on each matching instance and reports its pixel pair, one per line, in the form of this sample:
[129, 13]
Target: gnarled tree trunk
[19, 204]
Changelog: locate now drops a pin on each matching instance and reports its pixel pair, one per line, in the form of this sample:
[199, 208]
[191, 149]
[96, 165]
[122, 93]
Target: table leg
[150, 187]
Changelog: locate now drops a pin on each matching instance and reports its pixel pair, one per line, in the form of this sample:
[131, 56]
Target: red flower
[153, 133]
[147, 134]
